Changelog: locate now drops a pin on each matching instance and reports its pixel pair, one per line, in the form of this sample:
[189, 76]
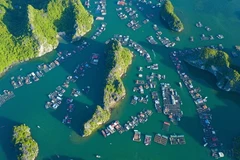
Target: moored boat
[147, 140]
[103, 133]
[137, 136]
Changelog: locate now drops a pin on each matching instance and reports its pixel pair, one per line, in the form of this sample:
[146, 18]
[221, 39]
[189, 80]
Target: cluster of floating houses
[43, 68]
[210, 138]
[141, 85]
[164, 40]
[151, 40]
[133, 23]
[153, 6]
[159, 139]
[56, 97]
[101, 7]
[204, 37]
[5, 96]
[79, 71]
[126, 41]
[142, 117]
[99, 31]
[33, 76]
[172, 103]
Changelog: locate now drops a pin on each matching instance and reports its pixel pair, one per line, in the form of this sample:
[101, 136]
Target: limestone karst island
[119, 80]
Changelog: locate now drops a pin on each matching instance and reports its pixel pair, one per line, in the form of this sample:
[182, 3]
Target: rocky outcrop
[223, 80]
[99, 117]
[83, 21]
[44, 47]
[172, 20]
[117, 61]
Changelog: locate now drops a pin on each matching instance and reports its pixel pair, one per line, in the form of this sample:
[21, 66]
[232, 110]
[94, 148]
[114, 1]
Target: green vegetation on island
[215, 57]
[218, 63]
[99, 117]
[117, 60]
[30, 28]
[27, 146]
[170, 17]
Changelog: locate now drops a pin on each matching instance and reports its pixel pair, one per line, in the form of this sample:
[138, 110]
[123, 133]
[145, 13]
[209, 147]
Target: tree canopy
[118, 59]
[99, 117]
[170, 17]
[27, 25]
[215, 57]
[27, 146]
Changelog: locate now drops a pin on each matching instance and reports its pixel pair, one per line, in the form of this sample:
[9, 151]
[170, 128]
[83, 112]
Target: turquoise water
[55, 138]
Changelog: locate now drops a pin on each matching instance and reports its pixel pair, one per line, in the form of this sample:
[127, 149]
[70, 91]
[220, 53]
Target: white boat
[38, 126]
[100, 18]
[98, 156]
[180, 84]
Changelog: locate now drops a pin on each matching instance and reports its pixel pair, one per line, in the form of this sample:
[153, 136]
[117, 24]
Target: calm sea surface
[55, 138]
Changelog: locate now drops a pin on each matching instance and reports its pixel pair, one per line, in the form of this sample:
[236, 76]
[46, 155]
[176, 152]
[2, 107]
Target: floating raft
[177, 139]
[166, 126]
[139, 82]
[7, 95]
[161, 139]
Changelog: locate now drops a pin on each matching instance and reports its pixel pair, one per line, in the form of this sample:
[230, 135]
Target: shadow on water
[93, 77]
[148, 12]
[203, 77]
[237, 13]
[191, 126]
[6, 131]
[79, 116]
[153, 14]
[208, 79]
[161, 50]
[55, 157]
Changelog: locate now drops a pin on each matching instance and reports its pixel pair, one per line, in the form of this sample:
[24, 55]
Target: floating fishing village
[210, 138]
[143, 103]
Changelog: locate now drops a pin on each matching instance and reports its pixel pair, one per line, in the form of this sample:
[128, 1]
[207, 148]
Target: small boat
[103, 133]
[180, 84]
[38, 126]
[137, 136]
[98, 156]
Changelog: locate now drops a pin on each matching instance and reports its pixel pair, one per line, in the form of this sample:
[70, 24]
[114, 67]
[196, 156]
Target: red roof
[121, 3]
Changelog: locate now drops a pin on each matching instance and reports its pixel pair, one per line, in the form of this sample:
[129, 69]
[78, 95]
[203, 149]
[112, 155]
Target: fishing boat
[103, 133]
[95, 59]
[98, 156]
[137, 136]
[180, 84]
[220, 36]
[147, 140]
[166, 126]
[199, 24]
